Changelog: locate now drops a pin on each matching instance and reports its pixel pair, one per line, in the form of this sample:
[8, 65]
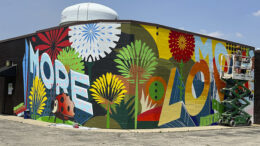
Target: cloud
[182, 28]
[257, 13]
[203, 31]
[239, 35]
[219, 34]
[216, 34]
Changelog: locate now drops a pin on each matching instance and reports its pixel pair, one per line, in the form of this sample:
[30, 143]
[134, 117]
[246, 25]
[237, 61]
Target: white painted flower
[146, 104]
[92, 41]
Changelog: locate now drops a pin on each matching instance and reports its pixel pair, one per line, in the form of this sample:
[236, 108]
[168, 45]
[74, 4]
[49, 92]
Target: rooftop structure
[86, 12]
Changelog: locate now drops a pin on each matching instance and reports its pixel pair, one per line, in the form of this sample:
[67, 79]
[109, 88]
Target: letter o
[195, 105]
[48, 82]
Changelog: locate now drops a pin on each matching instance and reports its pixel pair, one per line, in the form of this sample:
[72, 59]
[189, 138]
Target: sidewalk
[45, 124]
[18, 131]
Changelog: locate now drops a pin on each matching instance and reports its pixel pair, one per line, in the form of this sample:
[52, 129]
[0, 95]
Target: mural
[124, 75]
[37, 97]
[108, 90]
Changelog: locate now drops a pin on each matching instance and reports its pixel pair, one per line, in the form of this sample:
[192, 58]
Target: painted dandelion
[37, 97]
[137, 62]
[92, 41]
[69, 58]
[108, 89]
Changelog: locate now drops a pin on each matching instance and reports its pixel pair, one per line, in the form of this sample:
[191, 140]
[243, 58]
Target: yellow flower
[37, 96]
[108, 89]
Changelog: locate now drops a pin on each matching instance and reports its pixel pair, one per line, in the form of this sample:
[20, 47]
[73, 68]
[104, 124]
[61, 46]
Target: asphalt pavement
[18, 131]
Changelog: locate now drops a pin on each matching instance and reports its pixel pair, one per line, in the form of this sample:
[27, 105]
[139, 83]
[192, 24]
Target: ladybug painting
[63, 107]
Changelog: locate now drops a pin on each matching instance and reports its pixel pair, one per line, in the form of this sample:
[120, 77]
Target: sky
[234, 20]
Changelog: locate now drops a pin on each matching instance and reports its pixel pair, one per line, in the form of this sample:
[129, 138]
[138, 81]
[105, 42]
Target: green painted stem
[136, 100]
[34, 113]
[108, 116]
[180, 78]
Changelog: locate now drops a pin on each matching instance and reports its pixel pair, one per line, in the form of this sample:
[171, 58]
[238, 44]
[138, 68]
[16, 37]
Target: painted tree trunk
[136, 100]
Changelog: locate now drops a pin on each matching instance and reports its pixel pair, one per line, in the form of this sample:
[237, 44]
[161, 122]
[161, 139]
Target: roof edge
[17, 38]
[126, 21]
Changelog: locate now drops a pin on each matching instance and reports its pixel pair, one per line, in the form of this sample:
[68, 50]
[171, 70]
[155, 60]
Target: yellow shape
[195, 105]
[37, 96]
[182, 42]
[161, 40]
[207, 58]
[106, 86]
[170, 112]
[215, 42]
[203, 40]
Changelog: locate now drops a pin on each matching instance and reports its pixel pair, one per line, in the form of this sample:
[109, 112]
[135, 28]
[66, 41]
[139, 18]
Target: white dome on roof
[86, 12]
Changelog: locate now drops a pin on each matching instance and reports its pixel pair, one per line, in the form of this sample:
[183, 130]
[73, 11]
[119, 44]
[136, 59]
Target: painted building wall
[125, 75]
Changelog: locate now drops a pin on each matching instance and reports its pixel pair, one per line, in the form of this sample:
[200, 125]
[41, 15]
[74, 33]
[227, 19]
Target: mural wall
[125, 75]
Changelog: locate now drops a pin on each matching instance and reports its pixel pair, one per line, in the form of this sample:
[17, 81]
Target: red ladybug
[63, 107]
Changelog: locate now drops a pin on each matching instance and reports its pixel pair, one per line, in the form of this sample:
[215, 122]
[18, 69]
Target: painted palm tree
[136, 62]
[37, 97]
[108, 89]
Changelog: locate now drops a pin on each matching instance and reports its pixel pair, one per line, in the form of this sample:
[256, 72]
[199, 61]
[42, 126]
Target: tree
[136, 62]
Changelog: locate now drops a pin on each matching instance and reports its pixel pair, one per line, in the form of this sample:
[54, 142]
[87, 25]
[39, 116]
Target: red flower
[182, 45]
[53, 42]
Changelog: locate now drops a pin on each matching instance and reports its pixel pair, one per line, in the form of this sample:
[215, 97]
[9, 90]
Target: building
[116, 73]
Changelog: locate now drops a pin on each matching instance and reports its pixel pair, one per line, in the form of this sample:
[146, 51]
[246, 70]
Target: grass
[51, 120]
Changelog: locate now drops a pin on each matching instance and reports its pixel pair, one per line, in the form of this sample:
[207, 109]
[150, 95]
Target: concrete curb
[161, 130]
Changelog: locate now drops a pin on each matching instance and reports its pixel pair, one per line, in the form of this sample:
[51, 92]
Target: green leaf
[123, 54]
[120, 56]
[143, 56]
[146, 60]
[152, 65]
[119, 61]
[131, 80]
[138, 46]
[123, 68]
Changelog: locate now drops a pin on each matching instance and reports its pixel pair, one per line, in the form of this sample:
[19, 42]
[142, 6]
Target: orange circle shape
[148, 84]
